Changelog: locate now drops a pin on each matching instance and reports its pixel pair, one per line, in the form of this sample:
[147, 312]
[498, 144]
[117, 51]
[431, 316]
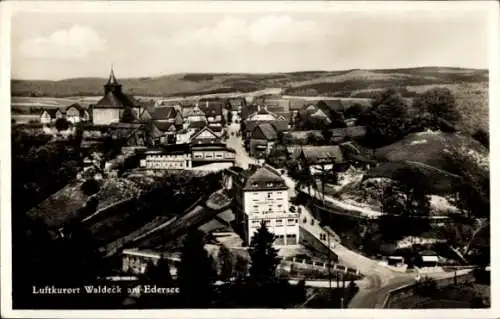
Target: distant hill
[333, 83]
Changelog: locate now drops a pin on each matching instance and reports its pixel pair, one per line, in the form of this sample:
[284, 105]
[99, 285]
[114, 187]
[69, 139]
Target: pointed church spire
[112, 79]
[112, 85]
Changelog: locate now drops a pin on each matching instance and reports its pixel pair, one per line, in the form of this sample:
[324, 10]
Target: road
[379, 280]
[236, 142]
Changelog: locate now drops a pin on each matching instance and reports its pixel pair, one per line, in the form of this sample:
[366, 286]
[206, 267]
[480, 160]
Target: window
[279, 206]
[218, 155]
[255, 206]
[269, 195]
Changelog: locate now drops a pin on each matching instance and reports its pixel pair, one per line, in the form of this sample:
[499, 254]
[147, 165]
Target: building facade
[262, 197]
[115, 106]
[167, 158]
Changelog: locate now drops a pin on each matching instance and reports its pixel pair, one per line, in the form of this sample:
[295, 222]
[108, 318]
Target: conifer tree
[264, 256]
[195, 273]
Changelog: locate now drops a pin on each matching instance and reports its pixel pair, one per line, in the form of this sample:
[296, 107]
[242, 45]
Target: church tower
[112, 85]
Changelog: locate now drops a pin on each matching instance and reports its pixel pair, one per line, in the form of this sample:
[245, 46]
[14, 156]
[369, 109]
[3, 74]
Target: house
[321, 158]
[236, 104]
[146, 110]
[262, 140]
[261, 196]
[175, 156]
[428, 258]
[207, 147]
[248, 109]
[168, 131]
[213, 111]
[76, 113]
[168, 114]
[205, 136]
[60, 114]
[314, 117]
[115, 106]
[281, 123]
[48, 116]
[196, 118]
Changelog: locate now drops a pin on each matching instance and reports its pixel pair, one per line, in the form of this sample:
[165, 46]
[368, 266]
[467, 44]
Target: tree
[226, 261]
[387, 119]
[427, 287]
[354, 110]
[240, 267]
[264, 256]
[405, 204]
[440, 103]
[90, 187]
[195, 273]
[62, 124]
[327, 135]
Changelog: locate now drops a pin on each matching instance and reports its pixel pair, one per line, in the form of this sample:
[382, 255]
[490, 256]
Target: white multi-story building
[262, 196]
[158, 159]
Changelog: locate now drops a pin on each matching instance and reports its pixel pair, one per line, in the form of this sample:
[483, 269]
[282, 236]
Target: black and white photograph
[252, 155]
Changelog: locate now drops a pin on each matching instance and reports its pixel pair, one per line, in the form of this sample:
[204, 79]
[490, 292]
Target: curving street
[379, 280]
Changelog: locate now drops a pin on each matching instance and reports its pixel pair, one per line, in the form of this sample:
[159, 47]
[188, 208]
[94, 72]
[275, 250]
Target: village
[268, 162]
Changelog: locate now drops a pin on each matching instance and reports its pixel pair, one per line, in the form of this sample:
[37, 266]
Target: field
[328, 83]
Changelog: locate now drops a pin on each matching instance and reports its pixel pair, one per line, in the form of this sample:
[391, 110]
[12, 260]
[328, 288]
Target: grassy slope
[430, 153]
[326, 81]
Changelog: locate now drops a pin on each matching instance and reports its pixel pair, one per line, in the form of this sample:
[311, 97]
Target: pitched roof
[164, 126]
[285, 115]
[76, 106]
[194, 111]
[205, 135]
[164, 113]
[212, 108]
[116, 100]
[264, 177]
[197, 124]
[51, 112]
[265, 131]
[236, 103]
[247, 110]
[319, 154]
[262, 115]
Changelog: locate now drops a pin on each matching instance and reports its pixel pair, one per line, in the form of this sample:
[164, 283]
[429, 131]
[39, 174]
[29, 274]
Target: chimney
[258, 108]
[206, 103]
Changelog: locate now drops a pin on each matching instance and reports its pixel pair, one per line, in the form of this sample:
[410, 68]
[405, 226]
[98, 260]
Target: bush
[426, 288]
[90, 187]
[62, 124]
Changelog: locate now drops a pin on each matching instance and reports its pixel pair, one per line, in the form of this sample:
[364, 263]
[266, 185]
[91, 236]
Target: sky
[58, 45]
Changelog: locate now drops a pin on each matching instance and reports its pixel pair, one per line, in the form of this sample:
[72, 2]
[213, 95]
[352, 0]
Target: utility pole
[329, 264]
